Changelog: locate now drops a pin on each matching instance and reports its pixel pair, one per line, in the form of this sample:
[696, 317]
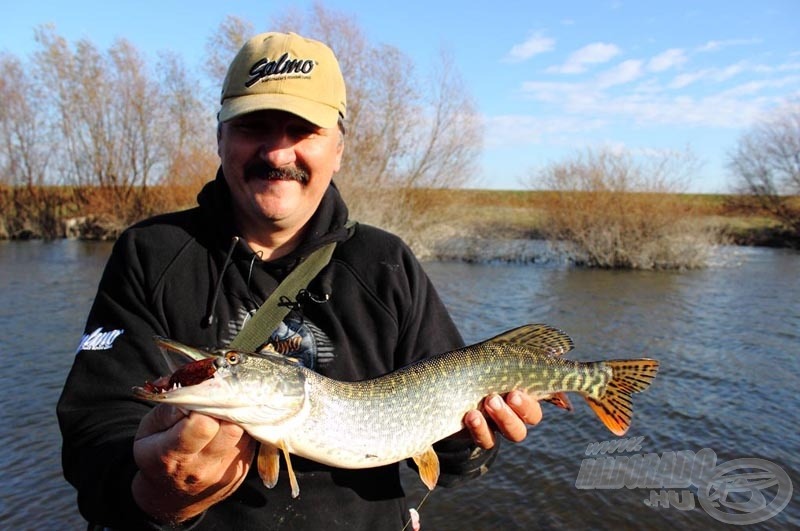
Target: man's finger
[195, 433]
[479, 429]
[227, 436]
[160, 418]
[525, 407]
[506, 419]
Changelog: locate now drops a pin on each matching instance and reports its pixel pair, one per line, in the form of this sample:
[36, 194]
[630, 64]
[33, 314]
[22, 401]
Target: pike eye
[233, 357]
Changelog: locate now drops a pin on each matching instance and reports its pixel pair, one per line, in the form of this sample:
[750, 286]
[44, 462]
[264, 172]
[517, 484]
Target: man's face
[278, 167]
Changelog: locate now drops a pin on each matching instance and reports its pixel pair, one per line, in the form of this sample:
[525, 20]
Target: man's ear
[339, 154]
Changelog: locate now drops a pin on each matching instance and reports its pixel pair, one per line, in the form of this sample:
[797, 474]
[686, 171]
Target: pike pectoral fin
[268, 464]
[428, 465]
[290, 470]
[560, 399]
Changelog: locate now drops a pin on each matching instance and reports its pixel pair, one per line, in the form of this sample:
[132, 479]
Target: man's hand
[510, 416]
[187, 463]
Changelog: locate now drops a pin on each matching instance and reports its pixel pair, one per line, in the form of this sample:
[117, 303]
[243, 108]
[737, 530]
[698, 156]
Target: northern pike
[374, 422]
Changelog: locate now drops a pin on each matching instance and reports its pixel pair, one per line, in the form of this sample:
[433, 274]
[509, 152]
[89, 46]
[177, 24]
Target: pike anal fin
[428, 465]
[268, 464]
[629, 376]
[560, 399]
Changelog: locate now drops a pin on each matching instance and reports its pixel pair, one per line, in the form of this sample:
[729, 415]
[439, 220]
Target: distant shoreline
[445, 214]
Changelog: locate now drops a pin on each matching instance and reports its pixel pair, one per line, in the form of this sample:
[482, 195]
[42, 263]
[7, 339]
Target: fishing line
[417, 509]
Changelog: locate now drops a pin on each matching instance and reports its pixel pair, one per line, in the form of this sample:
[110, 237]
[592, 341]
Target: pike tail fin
[629, 376]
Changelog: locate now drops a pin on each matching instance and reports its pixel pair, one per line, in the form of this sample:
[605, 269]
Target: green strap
[267, 318]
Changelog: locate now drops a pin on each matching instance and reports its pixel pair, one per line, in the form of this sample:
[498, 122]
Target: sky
[550, 79]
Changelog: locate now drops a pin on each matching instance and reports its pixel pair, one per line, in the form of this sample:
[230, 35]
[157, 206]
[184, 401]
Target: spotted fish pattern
[399, 415]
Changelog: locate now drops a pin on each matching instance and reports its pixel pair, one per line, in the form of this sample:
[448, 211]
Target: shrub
[613, 210]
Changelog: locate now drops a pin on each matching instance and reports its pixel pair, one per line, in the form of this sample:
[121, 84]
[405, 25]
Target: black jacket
[179, 276]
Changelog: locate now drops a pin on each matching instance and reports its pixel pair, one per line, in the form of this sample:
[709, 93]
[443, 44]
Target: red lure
[190, 374]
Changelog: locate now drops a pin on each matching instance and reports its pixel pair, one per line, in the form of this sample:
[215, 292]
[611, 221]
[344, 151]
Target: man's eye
[248, 127]
[241, 127]
[301, 130]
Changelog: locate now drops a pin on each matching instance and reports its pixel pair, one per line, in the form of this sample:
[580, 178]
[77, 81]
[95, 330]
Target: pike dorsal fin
[539, 337]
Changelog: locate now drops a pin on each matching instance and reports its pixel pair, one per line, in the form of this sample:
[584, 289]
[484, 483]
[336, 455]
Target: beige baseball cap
[287, 72]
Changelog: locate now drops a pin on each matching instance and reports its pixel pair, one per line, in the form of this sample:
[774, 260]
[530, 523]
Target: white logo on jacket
[99, 340]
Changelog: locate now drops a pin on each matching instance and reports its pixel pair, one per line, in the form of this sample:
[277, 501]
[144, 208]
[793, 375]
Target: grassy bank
[522, 214]
[420, 216]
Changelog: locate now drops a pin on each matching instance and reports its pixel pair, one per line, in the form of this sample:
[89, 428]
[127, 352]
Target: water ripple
[727, 340]
[726, 337]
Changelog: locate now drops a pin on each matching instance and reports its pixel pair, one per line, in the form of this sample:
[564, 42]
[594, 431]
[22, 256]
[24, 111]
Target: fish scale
[401, 414]
[393, 406]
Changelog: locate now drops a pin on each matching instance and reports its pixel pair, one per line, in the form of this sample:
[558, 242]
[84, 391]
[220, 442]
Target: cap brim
[317, 113]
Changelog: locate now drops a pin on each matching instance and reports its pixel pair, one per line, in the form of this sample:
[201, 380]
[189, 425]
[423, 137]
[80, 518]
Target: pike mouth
[190, 374]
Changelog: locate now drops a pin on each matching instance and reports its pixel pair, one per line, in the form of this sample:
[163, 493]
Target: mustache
[262, 170]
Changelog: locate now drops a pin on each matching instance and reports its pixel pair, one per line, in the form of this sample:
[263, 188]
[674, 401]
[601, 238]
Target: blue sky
[549, 78]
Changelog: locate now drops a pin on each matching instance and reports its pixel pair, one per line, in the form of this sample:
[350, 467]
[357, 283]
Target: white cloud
[757, 87]
[715, 46]
[667, 59]
[648, 93]
[717, 75]
[551, 91]
[595, 53]
[731, 107]
[625, 72]
[535, 45]
[684, 80]
[518, 129]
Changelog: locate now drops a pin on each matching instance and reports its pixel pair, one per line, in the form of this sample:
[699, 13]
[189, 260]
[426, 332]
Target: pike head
[249, 389]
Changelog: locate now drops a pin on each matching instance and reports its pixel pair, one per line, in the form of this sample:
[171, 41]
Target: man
[195, 276]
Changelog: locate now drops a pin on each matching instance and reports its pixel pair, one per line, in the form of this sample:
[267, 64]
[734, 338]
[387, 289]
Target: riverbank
[458, 224]
[437, 223]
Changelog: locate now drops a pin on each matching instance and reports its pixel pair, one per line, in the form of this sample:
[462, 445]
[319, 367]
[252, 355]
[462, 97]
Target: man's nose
[278, 149]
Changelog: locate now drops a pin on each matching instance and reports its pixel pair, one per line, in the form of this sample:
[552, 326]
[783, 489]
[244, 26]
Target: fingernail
[496, 403]
[515, 399]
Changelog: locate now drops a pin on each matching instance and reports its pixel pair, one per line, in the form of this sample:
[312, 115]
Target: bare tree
[188, 132]
[404, 130]
[24, 153]
[136, 116]
[221, 47]
[766, 166]
[26, 206]
[451, 131]
[112, 118]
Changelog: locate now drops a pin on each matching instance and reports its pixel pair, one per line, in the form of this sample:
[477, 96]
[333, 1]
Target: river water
[728, 338]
